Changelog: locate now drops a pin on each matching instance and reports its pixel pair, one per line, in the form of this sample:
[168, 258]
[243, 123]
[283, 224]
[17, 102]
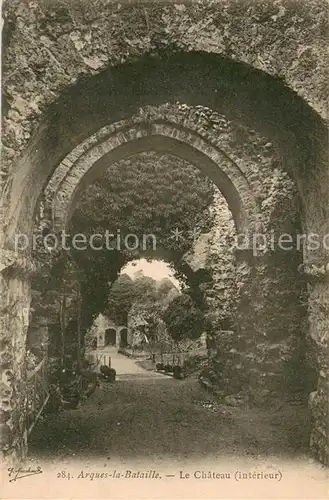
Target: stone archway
[298, 141]
[181, 131]
[244, 104]
[163, 138]
[241, 181]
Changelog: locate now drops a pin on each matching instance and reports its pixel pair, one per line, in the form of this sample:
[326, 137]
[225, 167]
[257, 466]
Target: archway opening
[238, 91]
[296, 142]
[110, 336]
[116, 199]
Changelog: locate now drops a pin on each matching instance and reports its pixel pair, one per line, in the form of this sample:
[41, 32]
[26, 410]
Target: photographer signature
[19, 473]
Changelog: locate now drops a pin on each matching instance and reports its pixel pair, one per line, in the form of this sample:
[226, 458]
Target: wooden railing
[171, 357]
[37, 394]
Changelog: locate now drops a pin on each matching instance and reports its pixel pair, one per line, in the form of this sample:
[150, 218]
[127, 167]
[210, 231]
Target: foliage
[56, 290]
[142, 296]
[164, 288]
[145, 289]
[120, 299]
[183, 319]
[146, 194]
[96, 274]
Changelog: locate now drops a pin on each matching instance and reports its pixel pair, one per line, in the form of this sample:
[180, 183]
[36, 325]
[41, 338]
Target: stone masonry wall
[262, 300]
[50, 46]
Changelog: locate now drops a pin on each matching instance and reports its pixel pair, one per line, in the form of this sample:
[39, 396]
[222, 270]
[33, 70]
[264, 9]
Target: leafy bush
[183, 319]
[108, 373]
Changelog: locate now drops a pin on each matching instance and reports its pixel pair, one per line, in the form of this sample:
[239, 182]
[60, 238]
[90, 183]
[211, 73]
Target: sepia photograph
[164, 249]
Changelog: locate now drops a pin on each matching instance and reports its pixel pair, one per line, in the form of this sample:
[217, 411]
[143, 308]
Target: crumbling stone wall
[14, 307]
[246, 158]
[48, 45]
[257, 305]
[251, 60]
[257, 173]
[221, 295]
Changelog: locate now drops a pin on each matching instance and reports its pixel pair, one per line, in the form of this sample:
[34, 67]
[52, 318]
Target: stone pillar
[232, 343]
[318, 286]
[268, 338]
[118, 337]
[15, 299]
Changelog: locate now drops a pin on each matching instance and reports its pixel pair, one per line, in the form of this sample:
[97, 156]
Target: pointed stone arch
[161, 137]
[240, 92]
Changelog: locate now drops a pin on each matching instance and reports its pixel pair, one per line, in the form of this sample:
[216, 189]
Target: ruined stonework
[91, 77]
[15, 305]
[63, 41]
[245, 296]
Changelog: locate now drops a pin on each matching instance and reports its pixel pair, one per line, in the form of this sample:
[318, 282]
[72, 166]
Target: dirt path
[124, 365]
[148, 415]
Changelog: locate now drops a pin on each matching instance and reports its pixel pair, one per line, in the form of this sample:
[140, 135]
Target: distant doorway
[123, 337]
[110, 336]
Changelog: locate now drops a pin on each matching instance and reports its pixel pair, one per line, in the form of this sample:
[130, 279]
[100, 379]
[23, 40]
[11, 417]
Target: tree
[145, 289]
[120, 299]
[164, 288]
[146, 194]
[183, 319]
[97, 273]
